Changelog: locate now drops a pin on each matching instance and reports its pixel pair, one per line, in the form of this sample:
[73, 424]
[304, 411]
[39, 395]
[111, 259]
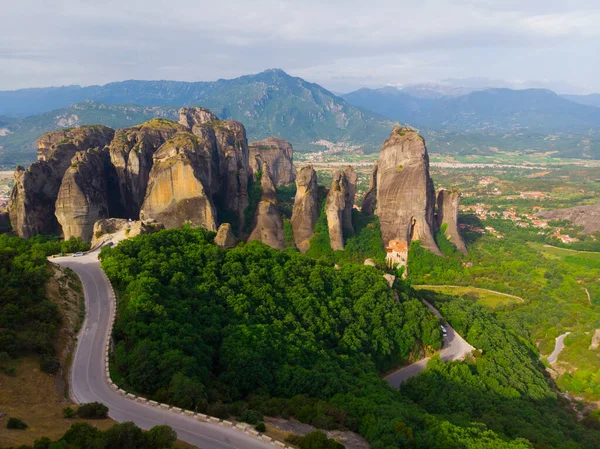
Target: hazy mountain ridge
[271, 103]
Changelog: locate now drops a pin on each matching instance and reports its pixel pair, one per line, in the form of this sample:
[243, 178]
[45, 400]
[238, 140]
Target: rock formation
[4, 221]
[195, 116]
[370, 200]
[405, 191]
[350, 178]
[279, 156]
[225, 237]
[267, 226]
[178, 190]
[447, 214]
[586, 216]
[83, 195]
[306, 207]
[335, 206]
[110, 228]
[32, 202]
[131, 153]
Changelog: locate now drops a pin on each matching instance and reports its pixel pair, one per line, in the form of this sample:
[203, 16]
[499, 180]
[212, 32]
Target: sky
[340, 44]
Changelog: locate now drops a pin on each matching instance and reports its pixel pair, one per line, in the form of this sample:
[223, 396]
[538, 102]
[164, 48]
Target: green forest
[252, 328]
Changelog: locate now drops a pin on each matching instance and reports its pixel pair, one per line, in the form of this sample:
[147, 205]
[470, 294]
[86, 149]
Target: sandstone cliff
[369, 202]
[118, 228]
[195, 116]
[448, 214]
[32, 202]
[586, 216]
[4, 221]
[279, 156]
[178, 190]
[267, 226]
[83, 195]
[306, 207]
[334, 209]
[225, 237]
[350, 178]
[405, 191]
[131, 153]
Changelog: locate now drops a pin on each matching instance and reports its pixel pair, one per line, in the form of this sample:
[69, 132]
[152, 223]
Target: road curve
[89, 382]
[558, 347]
[454, 348]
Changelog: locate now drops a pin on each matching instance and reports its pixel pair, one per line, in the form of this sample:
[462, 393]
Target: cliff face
[334, 209]
[350, 178]
[369, 202]
[195, 116]
[279, 156]
[178, 190]
[586, 216]
[131, 153]
[267, 225]
[83, 195]
[225, 237]
[405, 191]
[32, 202]
[306, 207]
[107, 228]
[448, 214]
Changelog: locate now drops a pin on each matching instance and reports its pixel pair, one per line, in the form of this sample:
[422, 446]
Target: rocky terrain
[306, 207]
[447, 214]
[339, 205]
[586, 216]
[279, 156]
[267, 226]
[405, 191]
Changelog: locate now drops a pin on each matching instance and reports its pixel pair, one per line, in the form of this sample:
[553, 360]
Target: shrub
[16, 423]
[260, 427]
[68, 412]
[218, 409]
[49, 364]
[251, 416]
[92, 410]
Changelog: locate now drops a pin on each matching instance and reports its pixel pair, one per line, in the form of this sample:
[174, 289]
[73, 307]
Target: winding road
[89, 382]
[454, 348]
[558, 347]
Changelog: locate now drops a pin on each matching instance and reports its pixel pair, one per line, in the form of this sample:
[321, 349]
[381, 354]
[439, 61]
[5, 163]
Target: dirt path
[571, 250]
[588, 295]
[558, 347]
[474, 288]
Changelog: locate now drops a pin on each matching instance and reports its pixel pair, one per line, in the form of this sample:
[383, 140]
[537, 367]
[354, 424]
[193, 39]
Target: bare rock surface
[405, 191]
[586, 216]
[334, 209]
[106, 229]
[225, 237]
[83, 196]
[350, 177]
[448, 215]
[195, 116]
[369, 202]
[350, 440]
[32, 202]
[267, 225]
[131, 153]
[595, 340]
[178, 190]
[279, 156]
[306, 207]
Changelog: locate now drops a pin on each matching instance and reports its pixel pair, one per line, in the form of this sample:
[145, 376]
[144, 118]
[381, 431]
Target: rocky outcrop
[32, 202]
[229, 160]
[306, 207]
[586, 216]
[4, 221]
[83, 195]
[267, 226]
[447, 214]
[279, 156]
[225, 237]
[335, 205]
[131, 153]
[178, 190]
[350, 178]
[195, 116]
[118, 228]
[369, 202]
[405, 191]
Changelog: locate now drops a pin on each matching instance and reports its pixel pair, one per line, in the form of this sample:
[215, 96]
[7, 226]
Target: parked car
[79, 254]
[444, 330]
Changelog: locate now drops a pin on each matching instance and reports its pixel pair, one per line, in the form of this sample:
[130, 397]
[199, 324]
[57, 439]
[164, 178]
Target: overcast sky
[341, 44]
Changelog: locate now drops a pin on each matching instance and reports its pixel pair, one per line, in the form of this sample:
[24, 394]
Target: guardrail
[241, 427]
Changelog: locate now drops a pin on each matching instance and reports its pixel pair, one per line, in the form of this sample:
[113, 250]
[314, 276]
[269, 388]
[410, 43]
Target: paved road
[89, 383]
[558, 347]
[454, 348]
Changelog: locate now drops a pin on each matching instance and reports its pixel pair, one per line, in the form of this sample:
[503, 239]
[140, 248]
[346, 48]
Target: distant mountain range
[273, 103]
